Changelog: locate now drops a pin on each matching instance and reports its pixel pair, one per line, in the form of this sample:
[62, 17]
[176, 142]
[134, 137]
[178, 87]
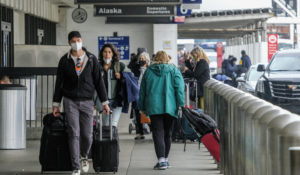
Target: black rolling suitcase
[54, 149]
[105, 148]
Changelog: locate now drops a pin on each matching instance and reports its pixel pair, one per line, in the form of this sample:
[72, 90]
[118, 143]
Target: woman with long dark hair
[112, 70]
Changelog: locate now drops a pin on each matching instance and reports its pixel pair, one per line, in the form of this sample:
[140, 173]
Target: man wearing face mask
[78, 76]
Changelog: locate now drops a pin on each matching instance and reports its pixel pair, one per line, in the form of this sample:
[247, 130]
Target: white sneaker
[76, 172]
[85, 165]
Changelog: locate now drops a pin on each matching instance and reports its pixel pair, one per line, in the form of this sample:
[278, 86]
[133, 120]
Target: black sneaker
[139, 138]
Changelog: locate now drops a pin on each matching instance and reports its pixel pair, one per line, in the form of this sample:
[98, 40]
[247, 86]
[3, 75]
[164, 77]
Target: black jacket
[201, 73]
[189, 64]
[81, 87]
[134, 66]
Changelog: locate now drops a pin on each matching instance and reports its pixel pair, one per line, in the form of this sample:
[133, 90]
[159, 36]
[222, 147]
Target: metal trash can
[31, 84]
[12, 117]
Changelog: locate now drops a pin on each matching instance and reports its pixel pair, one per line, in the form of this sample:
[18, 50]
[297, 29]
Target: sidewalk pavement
[136, 158]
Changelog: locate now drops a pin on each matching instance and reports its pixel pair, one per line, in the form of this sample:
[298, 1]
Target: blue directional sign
[192, 1]
[120, 42]
[183, 12]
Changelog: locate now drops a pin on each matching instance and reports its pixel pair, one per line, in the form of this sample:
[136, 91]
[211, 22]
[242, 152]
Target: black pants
[162, 127]
[138, 124]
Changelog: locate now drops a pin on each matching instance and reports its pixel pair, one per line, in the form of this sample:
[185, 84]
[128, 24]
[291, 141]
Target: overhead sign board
[120, 42]
[191, 4]
[141, 20]
[191, 1]
[180, 11]
[179, 19]
[135, 10]
[126, 1]
[223, 5]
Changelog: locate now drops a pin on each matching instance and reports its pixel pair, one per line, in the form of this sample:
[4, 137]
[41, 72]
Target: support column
[297, 46]
[263, 57]
[165, 38]
[292, 34]
[298, 36]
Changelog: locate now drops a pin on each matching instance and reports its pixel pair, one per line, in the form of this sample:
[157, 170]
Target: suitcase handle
[187, 85]
[99, 114]
[62, 118]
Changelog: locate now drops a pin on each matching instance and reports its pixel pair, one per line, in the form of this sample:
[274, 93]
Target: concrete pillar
[19, 27]
[165, 38]
[297, 46]
[264, 32]
[298, 35]
[292, 33]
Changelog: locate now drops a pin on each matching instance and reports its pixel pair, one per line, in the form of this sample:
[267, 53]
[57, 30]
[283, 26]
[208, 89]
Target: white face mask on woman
[76, 46]
[107, 61]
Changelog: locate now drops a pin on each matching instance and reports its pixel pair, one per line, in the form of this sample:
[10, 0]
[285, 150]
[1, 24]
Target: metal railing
[257, 138]
[40, 84]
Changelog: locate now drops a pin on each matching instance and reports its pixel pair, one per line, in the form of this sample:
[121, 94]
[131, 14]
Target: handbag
[144, 118]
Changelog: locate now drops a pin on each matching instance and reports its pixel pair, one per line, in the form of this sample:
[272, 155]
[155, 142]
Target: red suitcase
[212, 143]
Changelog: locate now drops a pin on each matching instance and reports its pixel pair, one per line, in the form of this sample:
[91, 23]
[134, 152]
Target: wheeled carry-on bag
[212, 143]
[54, 149]
[105, 148]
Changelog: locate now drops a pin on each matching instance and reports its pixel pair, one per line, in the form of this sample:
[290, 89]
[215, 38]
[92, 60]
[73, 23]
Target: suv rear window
[285, 62]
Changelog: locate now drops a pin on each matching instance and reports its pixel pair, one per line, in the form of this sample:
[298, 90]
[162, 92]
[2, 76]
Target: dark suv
[280, 83]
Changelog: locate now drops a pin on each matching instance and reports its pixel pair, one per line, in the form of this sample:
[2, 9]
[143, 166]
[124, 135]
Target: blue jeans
[115, 117]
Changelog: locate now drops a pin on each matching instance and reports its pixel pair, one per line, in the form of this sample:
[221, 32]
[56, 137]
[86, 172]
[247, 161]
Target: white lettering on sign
[158, 10]
[110, 11]
[272, 39]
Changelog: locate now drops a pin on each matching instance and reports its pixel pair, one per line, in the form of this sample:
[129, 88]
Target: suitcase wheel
[130, 128]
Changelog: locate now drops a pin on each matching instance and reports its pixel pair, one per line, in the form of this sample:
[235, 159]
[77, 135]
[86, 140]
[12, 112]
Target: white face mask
[76, 46]
[107, 61]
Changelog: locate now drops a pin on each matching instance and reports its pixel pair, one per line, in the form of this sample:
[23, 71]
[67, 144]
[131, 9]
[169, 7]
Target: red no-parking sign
[219, 49]
[272, 45]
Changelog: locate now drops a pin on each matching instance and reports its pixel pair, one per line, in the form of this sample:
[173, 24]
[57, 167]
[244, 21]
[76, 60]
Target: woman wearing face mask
[200, 72]
[143, 61]
[112, 74]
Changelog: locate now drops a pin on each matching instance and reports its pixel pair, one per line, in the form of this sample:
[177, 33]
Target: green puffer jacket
[162, 90]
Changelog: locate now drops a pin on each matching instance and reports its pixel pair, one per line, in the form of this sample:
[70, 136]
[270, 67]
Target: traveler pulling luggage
[105, 148]
[54, 149]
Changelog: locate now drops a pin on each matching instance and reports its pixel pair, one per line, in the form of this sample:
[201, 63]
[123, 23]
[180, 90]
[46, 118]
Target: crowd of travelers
[153, 85]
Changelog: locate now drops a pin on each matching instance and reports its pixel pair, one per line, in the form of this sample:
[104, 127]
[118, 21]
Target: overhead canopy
[221, 24]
